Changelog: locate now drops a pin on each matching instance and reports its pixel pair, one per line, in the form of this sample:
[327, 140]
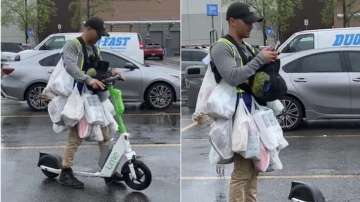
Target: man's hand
[96, 84]
[269, 54]
[115, 73]
[200, 119]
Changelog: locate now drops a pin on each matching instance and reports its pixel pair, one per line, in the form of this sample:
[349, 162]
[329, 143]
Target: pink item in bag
[263, 164]
[83, 128]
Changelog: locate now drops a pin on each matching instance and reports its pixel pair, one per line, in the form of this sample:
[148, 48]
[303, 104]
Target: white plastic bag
[207, 86]
[55, 107]
[276, 106]
[73, 109]
[108, 106]
[96, 134]
[253, 144]
[220, 139]
[270, 130]
[241, 128]
[94, 111]
[60, 82]
[214, 157]
[275, 162]
[221, 103]
[59, 128]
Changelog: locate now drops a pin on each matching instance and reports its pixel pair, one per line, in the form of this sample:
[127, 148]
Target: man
[236, 64]
[76, 64]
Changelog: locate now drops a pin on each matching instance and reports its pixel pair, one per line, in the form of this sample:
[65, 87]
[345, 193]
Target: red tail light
[6, 70]
[141, 44]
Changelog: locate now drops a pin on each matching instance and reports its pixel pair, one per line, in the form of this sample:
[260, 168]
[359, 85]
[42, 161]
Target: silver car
[322, 84]
[156, 85]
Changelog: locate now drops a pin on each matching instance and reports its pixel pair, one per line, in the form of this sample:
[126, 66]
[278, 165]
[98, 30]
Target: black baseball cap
[242, 11]
[97, 24]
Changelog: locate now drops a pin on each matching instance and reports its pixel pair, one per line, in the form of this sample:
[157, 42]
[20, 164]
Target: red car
[154, 50]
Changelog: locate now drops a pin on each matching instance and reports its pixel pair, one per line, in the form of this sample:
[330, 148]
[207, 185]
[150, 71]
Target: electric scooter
[301, 192]
[134, 173]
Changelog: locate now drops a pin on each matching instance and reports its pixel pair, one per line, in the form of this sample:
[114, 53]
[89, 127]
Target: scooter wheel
[53, 161]
[143, 175]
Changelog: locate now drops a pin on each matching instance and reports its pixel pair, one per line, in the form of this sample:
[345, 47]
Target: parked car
[192, 71]
[154, 50]
[320, 38]
[156, 85]
[129, 44]
[322, 84]
[9, 50]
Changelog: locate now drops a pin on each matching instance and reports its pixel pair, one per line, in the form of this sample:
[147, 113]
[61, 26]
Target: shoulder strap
[241, 52]
[83, 47]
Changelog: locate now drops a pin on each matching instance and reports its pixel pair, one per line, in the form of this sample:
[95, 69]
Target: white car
[156, 85]
[129, 44]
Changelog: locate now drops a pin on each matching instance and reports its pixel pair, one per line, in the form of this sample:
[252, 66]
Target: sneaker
[67, 178]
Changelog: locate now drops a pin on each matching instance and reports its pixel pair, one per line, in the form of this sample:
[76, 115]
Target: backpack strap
[231, 43]
[85, 52]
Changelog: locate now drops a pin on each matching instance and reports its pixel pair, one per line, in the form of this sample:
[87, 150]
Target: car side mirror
[130, 66]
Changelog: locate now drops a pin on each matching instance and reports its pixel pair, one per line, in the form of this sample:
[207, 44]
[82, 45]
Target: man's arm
[223, 58]
[72, 62]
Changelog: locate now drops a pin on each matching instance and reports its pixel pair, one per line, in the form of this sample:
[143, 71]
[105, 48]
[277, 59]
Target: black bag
[266, 85]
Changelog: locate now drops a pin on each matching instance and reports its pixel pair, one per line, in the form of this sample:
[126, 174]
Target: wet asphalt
[321, 153]
[154, 136]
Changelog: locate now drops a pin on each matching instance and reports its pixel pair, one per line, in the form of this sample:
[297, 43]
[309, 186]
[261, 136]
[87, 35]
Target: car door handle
[50, 71]
[300, 80]
[356, 79]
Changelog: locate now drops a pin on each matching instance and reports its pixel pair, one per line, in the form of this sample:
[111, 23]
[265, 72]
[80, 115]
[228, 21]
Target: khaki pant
[243, 183]
[74, 142]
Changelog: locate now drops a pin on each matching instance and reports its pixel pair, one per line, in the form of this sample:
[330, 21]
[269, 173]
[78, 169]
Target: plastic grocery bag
[253, 143]
[94, 111]
[263, 164]
[275, 162]
[241, 128]
[73, 109]
[60, 82]
[270, 130]
[207, 86]
[95, 134]
[220, 140]
[83, 128]
[276, 106]
[59, 128]
[214, 157]
[55, 107]
[108, 106]
[221, 103]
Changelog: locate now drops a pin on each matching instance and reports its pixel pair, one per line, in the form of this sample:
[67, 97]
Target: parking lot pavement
[322, 153]
[154, 135]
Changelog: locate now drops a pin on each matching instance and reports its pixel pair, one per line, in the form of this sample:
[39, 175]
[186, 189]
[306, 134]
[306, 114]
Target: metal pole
[26, 23]
[88, 9]
[212, 22]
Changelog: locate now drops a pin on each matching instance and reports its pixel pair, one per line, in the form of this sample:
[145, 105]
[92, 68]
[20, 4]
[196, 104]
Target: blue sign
[268, 31]
[347, 40]
[212, 10]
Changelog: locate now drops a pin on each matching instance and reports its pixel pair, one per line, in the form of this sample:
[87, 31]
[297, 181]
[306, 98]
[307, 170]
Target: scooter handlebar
[113, 78]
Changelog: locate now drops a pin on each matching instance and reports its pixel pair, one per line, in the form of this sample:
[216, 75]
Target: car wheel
[292, 115]
[159, 95]
[34, 98]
